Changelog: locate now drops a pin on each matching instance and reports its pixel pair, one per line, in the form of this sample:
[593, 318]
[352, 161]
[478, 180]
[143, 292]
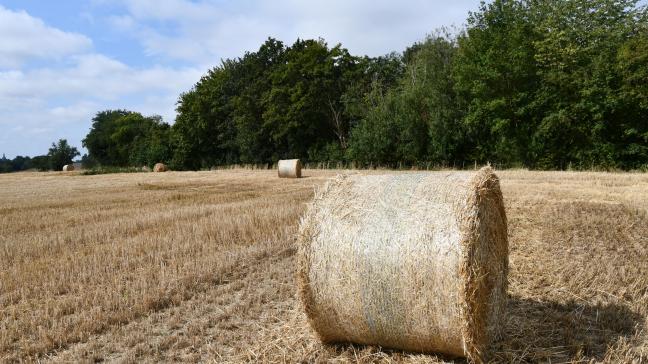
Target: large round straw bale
[68, 168]
[289, 168]
[160, 167]
[414, 261]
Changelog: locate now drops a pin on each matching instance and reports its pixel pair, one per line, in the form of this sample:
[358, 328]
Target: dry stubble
[200, 267]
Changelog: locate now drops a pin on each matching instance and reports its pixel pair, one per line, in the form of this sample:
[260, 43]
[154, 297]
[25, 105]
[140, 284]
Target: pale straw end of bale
[414, 261]
[289, 168]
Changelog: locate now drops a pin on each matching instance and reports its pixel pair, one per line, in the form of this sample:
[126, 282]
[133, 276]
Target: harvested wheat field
[200, 266]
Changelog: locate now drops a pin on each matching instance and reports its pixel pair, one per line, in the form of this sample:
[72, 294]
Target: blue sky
[63, 61]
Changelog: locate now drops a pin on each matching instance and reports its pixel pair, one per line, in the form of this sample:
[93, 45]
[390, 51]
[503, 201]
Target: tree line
[541, 84]
[59, 154]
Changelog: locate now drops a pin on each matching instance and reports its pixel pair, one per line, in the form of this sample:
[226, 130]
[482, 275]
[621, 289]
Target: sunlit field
[199, 266]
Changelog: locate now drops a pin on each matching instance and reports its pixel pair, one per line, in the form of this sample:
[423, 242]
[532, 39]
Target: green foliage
[108, 170]
[5, 165]
[60, 154]
[537, 83]
[372, 140]
[19, 163]
[586, 115]
[99, 140]
[418, 118]
[545, 84]
[88, 162]
[300, 101]
[123, 138]
[41, 162]
[495, 75]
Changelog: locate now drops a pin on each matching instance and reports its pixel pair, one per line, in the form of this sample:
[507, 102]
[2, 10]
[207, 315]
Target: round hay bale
[414, 261]
[68, 168]
[160, 167]
[289, 168]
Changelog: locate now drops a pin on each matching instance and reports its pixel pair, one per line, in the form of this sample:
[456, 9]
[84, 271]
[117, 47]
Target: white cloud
[173, 9]
[40, 104]
[71, 112]
[43, 105]
[24, 37]
[92, 76]
[123, 23]
[209, 30]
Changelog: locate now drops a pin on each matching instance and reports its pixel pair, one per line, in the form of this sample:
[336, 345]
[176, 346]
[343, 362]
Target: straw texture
[413, 261]
[68, 168]
[289, 168]
[160, 167]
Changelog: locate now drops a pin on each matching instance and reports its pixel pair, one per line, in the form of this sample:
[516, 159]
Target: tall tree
[496, 74]
[60, 154]
[586, 113]
[298, 101]
[99, 140]
[418, 119]
[123, 138]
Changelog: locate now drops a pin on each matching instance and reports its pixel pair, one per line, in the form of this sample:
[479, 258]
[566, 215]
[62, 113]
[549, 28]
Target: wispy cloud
[57, 99]
[25, 37]
[209, 30]
[93, 76]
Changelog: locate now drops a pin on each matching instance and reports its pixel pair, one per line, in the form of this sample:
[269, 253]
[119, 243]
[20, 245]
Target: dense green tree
[544, 83]
[299, 101]
[188, 132]
[253, 72]
[535, 83]
[372, 140]
[204, 128]
[631, 133]
[304, 110]
[19, 163]
[418, 119]
[125, 138]
[496, 76]
[60, 154]
[5, 165]
[88, 162]
[41, 162]
[584, 111]
[99, 140]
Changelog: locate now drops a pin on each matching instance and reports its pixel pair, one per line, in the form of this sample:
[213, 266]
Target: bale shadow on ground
[535, 331]
[545, 331]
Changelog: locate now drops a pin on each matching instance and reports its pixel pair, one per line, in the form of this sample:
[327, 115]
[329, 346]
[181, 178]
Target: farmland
[199, 266]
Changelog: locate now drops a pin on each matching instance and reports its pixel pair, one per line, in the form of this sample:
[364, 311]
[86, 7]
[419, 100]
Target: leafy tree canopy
[60, 154]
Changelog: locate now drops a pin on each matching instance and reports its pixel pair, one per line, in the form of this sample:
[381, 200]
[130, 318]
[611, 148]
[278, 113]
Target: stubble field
[199, 266]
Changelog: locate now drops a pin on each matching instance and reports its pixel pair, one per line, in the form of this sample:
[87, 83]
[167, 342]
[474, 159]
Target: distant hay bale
[414, 261]
[146, 169]
[68, 168]
[289, 168]
[160, 167]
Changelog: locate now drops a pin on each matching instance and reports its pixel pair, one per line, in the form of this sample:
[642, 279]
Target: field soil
[200, 266]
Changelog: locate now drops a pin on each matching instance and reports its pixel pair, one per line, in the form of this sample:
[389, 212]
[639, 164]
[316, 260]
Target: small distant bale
[412, 261]
[68, 168]
[146, 169]
[289, 168]
[160, 167]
